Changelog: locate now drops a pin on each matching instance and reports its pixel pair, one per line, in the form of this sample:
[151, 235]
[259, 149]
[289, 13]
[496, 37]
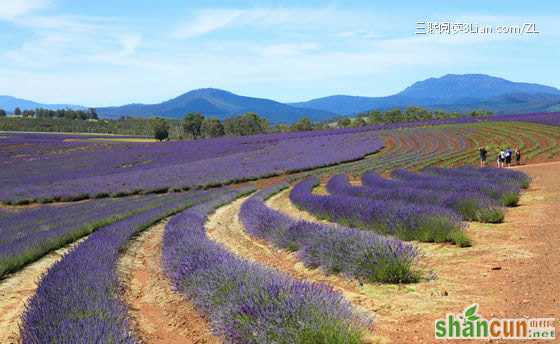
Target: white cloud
[212, 20]
[206, 22]
[12, 9]
[104, 61]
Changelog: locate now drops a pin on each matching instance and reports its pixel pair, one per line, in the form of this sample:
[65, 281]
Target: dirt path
[513, 269]
[17, 288]
[158, 314]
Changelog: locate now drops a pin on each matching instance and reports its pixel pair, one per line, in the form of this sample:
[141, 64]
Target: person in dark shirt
[517, 155]
[509, 155]
[483, 154]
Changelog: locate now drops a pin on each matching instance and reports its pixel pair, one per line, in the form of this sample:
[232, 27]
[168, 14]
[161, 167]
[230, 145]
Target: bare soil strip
[512, 270]
[158, 313]
[17, 288]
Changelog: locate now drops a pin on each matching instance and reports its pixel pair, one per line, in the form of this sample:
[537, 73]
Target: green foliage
[192, 124]
[388, 270]
[436, 229]
[303, 124]
[248, 124]
[410, 114]
[510, 199]
[2, 113]
[492, 215]
[358, 122]
[212, 127]
[160, 129]
[17, 111]
[344, 122]
[459, 238]
[481, 113]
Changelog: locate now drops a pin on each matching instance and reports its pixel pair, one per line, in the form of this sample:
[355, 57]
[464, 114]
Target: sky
[101, 53]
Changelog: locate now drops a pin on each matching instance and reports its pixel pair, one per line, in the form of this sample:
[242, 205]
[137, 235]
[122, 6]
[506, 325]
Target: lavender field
[279, 172]
[59, 188]
[50, 168]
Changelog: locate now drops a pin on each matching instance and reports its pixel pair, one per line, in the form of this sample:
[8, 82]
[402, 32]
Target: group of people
[505, 157]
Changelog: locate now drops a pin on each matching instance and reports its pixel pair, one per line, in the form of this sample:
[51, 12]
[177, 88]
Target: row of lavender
[407, 221]
[357, 254]
[77, 301]
[399, 206]
[76, 170]
[28, 234]
[248, 303]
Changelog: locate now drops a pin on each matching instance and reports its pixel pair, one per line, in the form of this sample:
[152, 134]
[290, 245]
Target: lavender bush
[472, 206]
[357, 254]
[507, 194]
[245, 302]
[408, 221]
[493, 175]
[77, 300]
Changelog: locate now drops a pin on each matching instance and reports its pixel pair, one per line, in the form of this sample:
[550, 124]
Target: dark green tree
[212, 127]
[393, 116]
[17, 111]
[28, 113]
[375, 117]
[248, 124]
[2, 113]
[160, 128]
[281, 128]
[231, 126]
[92, 112]
[303, 124]
[480, 113]
[344, 122]
[359, 122]
[251, 124]
[414, 113]
[192, 124]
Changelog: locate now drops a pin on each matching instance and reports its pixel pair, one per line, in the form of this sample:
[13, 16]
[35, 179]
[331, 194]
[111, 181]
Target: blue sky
[102, 52]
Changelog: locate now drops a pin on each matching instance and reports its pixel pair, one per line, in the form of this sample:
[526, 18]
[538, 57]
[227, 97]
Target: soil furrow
[158, 313]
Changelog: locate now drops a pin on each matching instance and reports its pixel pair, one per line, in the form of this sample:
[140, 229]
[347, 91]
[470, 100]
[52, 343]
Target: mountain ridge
[447, 92]
[218, 103]
[9, 104]
[451, 92]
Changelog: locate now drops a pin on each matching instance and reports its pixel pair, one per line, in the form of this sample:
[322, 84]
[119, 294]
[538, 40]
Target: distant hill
[450, 92]
[219, 103]
[9, 104]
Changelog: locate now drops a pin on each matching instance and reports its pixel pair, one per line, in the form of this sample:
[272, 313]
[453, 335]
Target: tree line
[70, 114]
[410, 114]
[195, 125]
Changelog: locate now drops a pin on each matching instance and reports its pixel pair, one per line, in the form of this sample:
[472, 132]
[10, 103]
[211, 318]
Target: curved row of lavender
[28, 234]
[407, 221]
[101, 169]
[494, 175]
[246, 302]
[357, 254]
[77, 301]
[500, 190]
[471, 205]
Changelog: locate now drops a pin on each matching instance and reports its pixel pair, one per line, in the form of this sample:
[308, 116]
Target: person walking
[483, 154]
[517, 155]
[501, 158]
[509, 155]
